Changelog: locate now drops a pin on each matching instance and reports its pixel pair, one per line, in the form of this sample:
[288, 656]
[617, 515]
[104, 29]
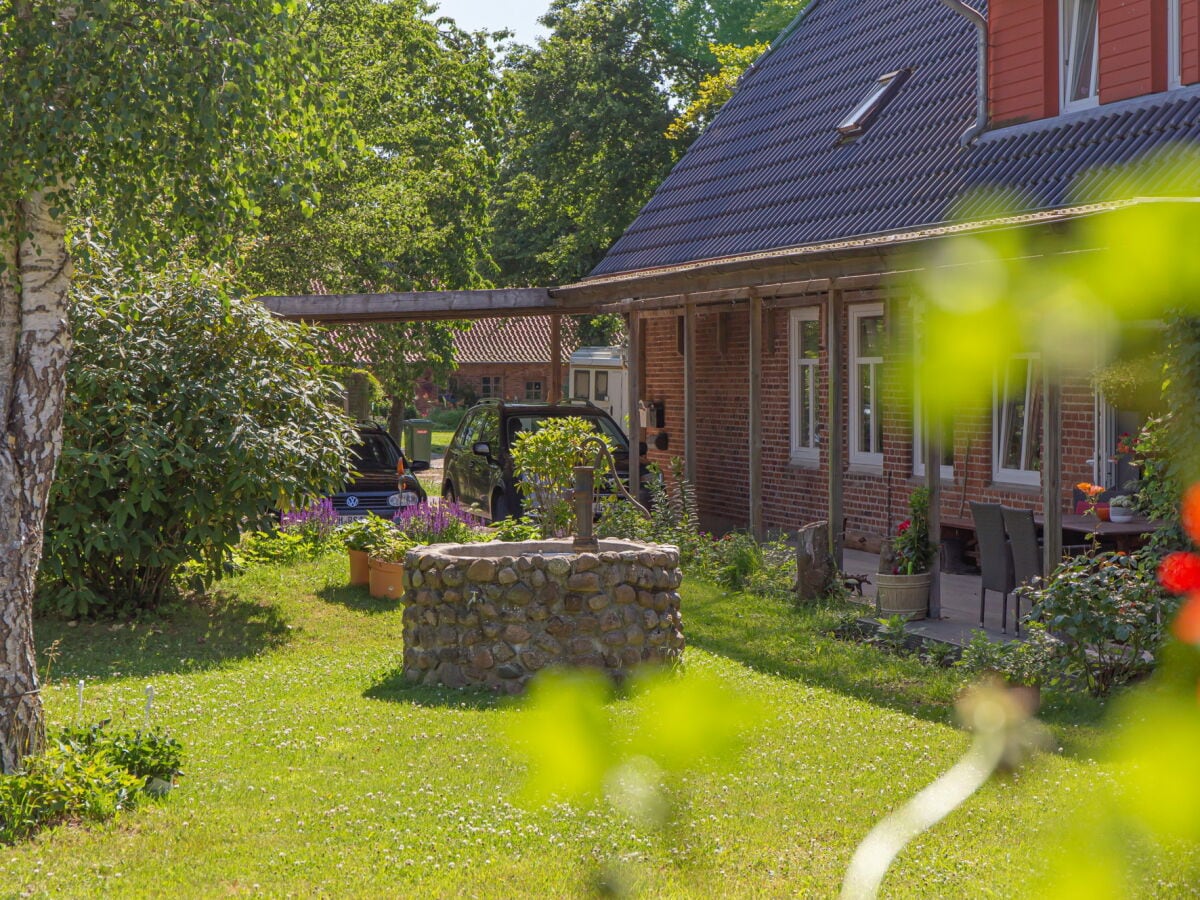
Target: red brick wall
[793, 494]
[1022, 60]
[513, 375]
[1133, 42]
[1189, 22]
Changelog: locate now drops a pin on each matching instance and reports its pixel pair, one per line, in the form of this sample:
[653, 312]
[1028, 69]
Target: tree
[189, 413]
[406, 209]
[586, 143]
[222, 107]
[715, 89]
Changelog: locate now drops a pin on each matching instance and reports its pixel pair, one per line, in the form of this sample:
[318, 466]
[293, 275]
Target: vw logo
[351, 501]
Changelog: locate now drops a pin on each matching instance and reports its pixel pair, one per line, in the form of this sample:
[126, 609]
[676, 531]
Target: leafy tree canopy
[161, 116]
[586, 140]
[408, 210]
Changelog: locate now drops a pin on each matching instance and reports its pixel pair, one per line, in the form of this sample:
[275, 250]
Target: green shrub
[86, 774]
[366, 533]
[1038, 660]
[1109, 611]
[522, 529]
[274, 545]
[189, 414]
[544, 461]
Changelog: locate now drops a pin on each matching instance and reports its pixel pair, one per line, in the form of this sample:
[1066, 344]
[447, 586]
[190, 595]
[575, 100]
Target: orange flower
[1187, 624]
[1191, 512]
[1091, 490]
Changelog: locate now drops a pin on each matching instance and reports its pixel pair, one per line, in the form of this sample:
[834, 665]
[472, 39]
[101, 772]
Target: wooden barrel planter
[903, 595]
[386, 579]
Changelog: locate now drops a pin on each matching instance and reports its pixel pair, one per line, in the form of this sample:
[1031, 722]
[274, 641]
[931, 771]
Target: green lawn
[313, 769]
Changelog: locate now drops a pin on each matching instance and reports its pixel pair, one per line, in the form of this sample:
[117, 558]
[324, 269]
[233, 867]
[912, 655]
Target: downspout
[981, 47]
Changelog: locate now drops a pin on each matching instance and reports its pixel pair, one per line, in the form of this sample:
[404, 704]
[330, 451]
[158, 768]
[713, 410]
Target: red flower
[904, 526]
[1179, 573]
[1187, 624]
[1191, 512]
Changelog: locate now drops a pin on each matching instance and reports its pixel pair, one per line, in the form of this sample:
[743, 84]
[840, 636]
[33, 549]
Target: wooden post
[933, 483]
[1051, 467]
[834, 420]
[555, 387]
[634, 384]
[689, 392]
[755, 412]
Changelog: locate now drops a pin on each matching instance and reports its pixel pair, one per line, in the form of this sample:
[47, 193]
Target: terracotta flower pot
[360, 571]
[386, 579]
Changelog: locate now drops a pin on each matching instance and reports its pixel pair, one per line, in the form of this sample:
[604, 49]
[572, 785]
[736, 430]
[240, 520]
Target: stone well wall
[494, 614]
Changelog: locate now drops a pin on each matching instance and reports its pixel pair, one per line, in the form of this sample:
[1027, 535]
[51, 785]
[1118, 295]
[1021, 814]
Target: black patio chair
[995, 558]
[1026, 553]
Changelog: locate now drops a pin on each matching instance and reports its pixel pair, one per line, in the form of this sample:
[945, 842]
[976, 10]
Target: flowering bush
[911, 546]
[1109, 609]
[438, 523]
[317, 521]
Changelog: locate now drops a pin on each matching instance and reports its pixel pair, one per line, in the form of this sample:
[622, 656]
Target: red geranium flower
[904, 526]
[1179, 573]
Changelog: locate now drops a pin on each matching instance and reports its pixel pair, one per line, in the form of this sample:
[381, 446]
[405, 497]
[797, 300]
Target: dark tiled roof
[769, 172]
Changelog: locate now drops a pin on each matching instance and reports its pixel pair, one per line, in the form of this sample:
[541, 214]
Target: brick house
[506, 358]
[768, 256]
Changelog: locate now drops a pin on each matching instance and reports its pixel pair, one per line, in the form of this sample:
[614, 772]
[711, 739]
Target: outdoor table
[1126, 536]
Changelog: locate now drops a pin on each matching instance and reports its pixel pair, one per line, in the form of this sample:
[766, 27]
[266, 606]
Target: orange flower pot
[386, 579]
[360, 570]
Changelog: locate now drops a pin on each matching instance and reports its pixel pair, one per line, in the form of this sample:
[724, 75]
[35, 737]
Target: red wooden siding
[1133, 41]
[1189, 21]
[1023, 61]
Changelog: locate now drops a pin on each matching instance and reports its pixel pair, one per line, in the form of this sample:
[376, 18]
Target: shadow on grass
[191, 636]
[357, 598]
[777, 638]
[393, 687]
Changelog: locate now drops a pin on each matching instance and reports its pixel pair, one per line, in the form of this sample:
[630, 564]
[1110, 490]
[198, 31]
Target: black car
[478, 469]
[381, 481]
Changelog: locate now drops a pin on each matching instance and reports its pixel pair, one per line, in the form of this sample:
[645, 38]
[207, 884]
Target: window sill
[805, 462]
[1017, 487]
[875, 469]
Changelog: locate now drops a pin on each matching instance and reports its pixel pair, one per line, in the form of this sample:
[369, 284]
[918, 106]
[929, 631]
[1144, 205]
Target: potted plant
[904, 579]
[1122, 508]
[386, 566]
[1024, 666]
[361, 537]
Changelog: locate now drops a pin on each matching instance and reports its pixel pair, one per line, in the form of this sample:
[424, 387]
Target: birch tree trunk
[35, 340]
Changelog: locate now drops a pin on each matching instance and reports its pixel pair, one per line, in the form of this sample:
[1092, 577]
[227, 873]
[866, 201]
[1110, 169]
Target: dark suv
[380, 484]
[478, 469]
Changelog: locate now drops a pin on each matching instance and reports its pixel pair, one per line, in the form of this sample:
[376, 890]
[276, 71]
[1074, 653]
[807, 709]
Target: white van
[598, 374]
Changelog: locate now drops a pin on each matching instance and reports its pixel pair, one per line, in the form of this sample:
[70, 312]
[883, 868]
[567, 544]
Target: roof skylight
[880, 94]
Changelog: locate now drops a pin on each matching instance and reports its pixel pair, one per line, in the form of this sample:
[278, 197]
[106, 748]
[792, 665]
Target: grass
[313, 768]
[440, 440]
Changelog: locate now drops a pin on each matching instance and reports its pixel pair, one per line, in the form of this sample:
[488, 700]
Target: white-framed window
[804, 343]
[1174, 45]
[866, 383]
[533, 390]
[1079, 39]
[491, 386]
[946, 429]
[1017, 421]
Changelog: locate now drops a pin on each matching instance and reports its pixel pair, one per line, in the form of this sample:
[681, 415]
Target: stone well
[494, 614]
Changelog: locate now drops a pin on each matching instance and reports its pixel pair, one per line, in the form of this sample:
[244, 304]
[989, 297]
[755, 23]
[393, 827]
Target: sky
[518, 16]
